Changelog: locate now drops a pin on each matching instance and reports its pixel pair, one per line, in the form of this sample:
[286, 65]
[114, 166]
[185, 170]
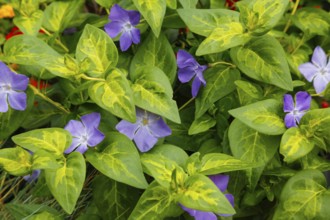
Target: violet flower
[295, 110]
[146, 130]
[318, 70]
[221, 181]
[124, 22]
[84, 133]
[12, 86]
[33, 176]
[189, 68]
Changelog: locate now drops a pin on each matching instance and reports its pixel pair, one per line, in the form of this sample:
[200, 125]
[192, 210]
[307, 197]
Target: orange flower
[6, 11]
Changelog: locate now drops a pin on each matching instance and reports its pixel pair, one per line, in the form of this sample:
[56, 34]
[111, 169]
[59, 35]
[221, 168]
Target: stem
[83, 76]
[292, 13]
[56, 104]
[221, 62]
[187, 103]
[301, 42]
[10, 191]
[56, 40]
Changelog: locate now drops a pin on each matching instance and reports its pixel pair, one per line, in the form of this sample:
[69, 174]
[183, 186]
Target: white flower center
[127, 27]
[323, 71]
[6, 88]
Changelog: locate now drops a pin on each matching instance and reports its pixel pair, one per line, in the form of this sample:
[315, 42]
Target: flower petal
[303, 101]
[159, 128]
[186, 74]
[200, 215]
[134, 17]
[288, 104]
[113, 28]
[200, 76]
[127, 128]
[19, 82]
[117, 13]
[82, 148]
[289, 120]
[74, 144]
[298, 116]
[17, 100]
[135, 33]
[91, 121]
[195, 86]
[221, 181]
[95, 137]
[144, 140]
[6, 74]
[320, 83]
[308, 70]
[3, 102]
[319, 57]
[32, 177]
[76, 128]
[125, 40]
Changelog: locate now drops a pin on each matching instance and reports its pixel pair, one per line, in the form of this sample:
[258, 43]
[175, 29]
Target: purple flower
[12, 86]
[188, 68]
[318, 70]
[146, 130]
[221, 181]
[32, 177]
[84, 133]
[295, 110]
[124, 22]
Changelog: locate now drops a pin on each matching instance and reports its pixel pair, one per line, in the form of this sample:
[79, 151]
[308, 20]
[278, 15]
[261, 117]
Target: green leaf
[23, 211]
[153, 94]
[295, 145]
[11, 120]
[153, 12]
[114, 200]
[58, 15]
[29, 50]
[16, 161]
[261, 16]
[97, 49]
[170, 152]
[203, 22]
[219, 83]
[263, 116]
[312, 21]
[304, 196]
[264, 53]
[159, 167]
[29, 25]
[188, 3]
[215, 163]
[44, 215]
[155, 203]
[202, 124]
[251, 146]
[315, 161]
[223, 37]
[53, 140]
[193, 164]
[120, 161]
[200, 193]
[106, 3]
[248, 92]
[67, 182]
[114, 95]
[155, 52]
[171, 4]
[42, 159]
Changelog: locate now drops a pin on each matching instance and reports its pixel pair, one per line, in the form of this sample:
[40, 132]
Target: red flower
[39, 84]
[231, 4]
[15, 31]
[324, 104]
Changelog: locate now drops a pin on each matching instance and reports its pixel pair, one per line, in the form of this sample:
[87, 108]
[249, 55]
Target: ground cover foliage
[168, 109]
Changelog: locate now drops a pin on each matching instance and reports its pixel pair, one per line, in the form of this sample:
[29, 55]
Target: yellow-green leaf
[16, 161]
[29, 25]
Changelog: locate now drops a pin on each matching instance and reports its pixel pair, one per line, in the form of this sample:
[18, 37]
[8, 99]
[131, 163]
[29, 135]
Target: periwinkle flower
[124, 22]
[12, 87]
[32, 177]
[84, 133]
[221, 181]
[295, 110]
[146, 130]
[189, 68]
[318, 70]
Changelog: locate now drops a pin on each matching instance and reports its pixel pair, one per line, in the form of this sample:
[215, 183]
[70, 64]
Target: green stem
[83, 76]
[221, 62]
[56, 104]
[301, 42]
[187, 103]
[292, 13]
[56, 40]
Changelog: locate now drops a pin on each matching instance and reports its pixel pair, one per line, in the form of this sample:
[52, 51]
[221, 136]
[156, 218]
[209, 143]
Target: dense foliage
[164, 109]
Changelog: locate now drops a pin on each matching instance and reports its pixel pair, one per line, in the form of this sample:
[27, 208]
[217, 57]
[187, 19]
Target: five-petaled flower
[296, 110]
[124, 22]
[84, 133]
[12, 87]
[146, 130]
[188, 68]
[318, 70]
[221, 181]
